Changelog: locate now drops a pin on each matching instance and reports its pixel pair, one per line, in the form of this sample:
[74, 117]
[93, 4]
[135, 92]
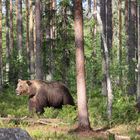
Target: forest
[92, 46]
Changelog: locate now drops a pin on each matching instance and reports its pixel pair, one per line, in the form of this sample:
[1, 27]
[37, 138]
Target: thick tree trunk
[83, 116]
[1, 72]
[39, 59]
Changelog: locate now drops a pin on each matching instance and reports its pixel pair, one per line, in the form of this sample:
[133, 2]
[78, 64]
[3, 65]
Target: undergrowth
[124, 111]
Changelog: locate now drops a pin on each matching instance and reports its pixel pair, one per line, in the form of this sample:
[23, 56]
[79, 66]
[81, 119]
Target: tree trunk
[83, 116]
[19, 35]
[138, 20]
[1, 72]
[11, 62]
[39, 59]
[109, 25]
[31, 42]
[11, 28]
[107, 66]
[120, 40]
[27, 35]
[7, 42]
[52, 35]
[131, 44]
[103, 18]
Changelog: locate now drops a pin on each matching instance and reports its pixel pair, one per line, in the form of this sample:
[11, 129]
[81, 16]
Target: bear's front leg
[32, 106]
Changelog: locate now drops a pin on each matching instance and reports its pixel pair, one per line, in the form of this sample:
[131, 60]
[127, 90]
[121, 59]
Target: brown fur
[42, 94]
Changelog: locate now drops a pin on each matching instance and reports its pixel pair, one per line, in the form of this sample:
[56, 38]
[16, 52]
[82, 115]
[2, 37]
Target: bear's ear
[29, 82]
[19, 80]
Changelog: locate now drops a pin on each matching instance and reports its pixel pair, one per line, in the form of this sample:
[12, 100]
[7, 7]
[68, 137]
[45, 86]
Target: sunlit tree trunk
[83, 116]
[120, 40]
[31, 42]
[1, 73]
[39, 59]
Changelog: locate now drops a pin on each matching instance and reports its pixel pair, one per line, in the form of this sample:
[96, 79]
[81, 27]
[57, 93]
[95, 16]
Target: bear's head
[23, 87]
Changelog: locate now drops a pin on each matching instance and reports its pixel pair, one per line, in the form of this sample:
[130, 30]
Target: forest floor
[56, 129]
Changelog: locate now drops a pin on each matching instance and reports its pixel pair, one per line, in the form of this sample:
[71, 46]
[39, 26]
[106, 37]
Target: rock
[14, 134]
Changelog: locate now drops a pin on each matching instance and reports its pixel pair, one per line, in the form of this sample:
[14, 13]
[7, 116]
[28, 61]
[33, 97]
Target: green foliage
[124, 110]
[12, 105]
[67, 113]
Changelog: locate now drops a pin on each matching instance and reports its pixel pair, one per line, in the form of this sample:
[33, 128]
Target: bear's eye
[20, 86]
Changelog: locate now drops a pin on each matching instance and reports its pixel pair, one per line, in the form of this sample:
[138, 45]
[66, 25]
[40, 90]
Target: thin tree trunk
[27, 35]
[107, 63]
[39, 59]
[11, 27]
[83, 116]
[131, 44]
[103, 17]
[95, 17]
[7, 42]
[11, 62]
[109, 25]
[1, 72]
[49, 75]
[138, 20]
[31, 42]
[52, 35]
[19, 35]
[120, 40]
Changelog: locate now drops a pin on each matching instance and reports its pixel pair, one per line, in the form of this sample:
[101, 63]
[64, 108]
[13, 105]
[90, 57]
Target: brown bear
[44, 94]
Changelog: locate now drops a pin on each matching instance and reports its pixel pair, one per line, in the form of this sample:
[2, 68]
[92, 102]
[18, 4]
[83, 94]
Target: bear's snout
[17, 92]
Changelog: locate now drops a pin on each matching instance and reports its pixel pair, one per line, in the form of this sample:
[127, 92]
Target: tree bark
[19, 35]
[138, 66]
[31, 42]
[39, 59]
[120, 40]
[83, 116]
[1, 72]
[107, 66]
[11, 28]
[131, 46]
[109, 25]
[27, 35]
[7, 42]
[103, 18]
